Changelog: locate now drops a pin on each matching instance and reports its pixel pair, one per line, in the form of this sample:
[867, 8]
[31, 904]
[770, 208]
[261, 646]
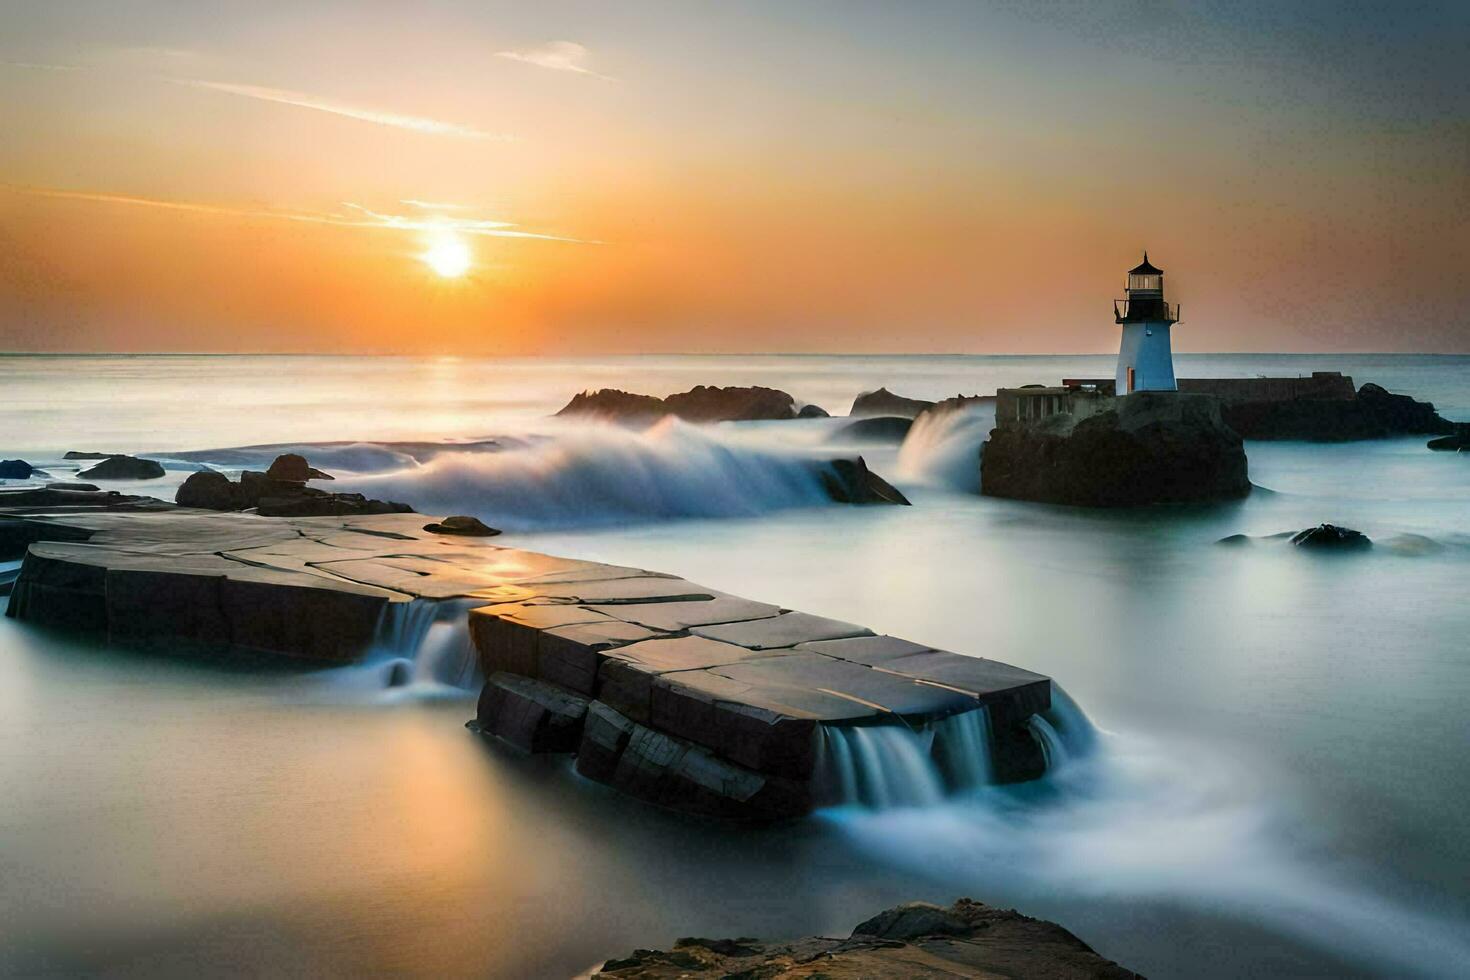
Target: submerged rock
[15, 469]
[917, 939]
[1331, 536]
[294, 468]
[1151, 447]
[1235, 540]
[880, 428]
[699, 404]
[123, 468]
[461, 524]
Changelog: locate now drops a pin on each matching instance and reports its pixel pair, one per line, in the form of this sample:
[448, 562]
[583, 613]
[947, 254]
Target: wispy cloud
[42, 66]
[355, 216]
[433, 205]
[420, 124]
[556, 55]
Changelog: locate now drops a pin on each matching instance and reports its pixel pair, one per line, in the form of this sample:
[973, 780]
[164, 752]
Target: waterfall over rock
[424, 642]
[897, 765]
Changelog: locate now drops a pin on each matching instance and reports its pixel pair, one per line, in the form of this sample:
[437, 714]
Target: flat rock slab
[681, 694]
[785, 630]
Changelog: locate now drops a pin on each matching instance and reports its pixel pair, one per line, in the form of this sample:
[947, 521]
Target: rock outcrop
[885, 402]
[917, 939]
[294, 468]
[849, 481]
[813, 412]
[122, 468]
[1150, 448]
[1374, 413]
[1330, 537]
[702, 403]
[15, 469]
[209, 490]
[276, 496]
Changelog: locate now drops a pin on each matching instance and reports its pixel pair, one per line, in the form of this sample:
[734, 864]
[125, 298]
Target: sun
[448, 255]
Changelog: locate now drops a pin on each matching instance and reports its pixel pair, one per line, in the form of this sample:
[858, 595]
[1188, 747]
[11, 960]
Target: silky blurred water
[1280, 791]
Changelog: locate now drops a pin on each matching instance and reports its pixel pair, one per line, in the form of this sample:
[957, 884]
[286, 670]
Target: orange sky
[843, 177]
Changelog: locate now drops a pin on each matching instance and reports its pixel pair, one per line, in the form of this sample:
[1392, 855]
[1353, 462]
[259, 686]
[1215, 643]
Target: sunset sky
[479, 177]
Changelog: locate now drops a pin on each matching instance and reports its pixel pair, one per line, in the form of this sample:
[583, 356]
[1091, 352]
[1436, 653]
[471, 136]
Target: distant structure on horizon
[1145, 358]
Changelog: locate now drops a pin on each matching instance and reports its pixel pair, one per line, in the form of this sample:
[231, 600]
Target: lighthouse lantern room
[1145, 360]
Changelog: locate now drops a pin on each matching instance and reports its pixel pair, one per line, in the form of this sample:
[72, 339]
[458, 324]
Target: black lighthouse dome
[1145, 300]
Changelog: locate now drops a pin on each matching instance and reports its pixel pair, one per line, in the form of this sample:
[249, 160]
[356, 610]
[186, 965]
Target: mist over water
[1275, 783]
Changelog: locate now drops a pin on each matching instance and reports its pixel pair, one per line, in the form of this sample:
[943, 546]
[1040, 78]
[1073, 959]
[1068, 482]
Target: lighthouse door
[1130, 381]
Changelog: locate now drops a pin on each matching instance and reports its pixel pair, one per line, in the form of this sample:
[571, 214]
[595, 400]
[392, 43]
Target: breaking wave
[943, 448]
[1130, 819]
[602, 475]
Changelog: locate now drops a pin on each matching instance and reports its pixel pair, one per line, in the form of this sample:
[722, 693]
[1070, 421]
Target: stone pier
[673, 692]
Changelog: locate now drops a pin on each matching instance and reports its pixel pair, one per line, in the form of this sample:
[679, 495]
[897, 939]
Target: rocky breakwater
[702, 403]
[916, 939]
[1149, 447]
[1320, 408]
[676, 693]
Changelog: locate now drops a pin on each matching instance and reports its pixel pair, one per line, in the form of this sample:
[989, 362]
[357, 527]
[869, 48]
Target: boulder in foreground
[917, 939]
[702, 403]
[123, 468]
[1149, 447]
[15, 469]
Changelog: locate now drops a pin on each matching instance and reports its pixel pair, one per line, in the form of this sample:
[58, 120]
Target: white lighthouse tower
[1145, 360]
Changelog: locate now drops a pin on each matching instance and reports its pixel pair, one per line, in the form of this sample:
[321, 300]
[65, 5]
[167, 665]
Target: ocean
[1278, 788]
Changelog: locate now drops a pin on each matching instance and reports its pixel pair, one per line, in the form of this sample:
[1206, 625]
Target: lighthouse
[1145, 360]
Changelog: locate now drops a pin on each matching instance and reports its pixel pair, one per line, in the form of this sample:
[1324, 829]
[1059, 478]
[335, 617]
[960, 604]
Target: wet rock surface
[1330, 537]
[1154, 447]
[917, 939]
[122, 468]
[702, 403]
[15, 469]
